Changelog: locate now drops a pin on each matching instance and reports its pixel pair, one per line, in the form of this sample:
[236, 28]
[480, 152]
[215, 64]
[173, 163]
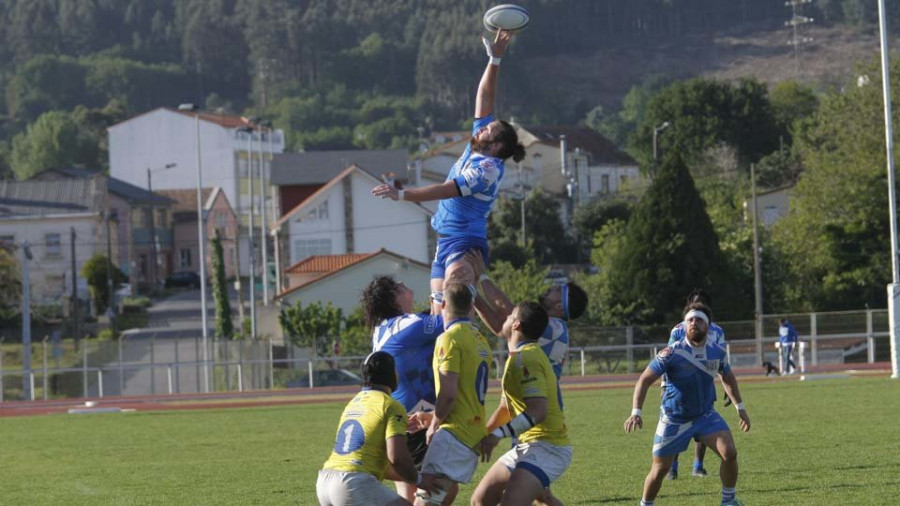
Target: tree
[670, 248]
[591, 216]
[10, 286]
[94, 271]
[311, 325]
[520, 284]
[836, 237]
[224, 325]
[547, 239]
[54, 140]
[703, 113]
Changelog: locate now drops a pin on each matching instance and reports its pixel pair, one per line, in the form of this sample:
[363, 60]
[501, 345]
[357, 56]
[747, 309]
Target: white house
[48, 215]
[343, 217]
[168, 136]
[340, 279]
[772, 205]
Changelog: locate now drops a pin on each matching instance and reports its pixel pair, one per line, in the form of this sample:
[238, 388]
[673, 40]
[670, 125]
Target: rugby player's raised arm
[487, 87]
[437, 191]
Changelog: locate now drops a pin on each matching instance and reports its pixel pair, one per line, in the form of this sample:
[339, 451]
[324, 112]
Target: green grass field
[822, 442]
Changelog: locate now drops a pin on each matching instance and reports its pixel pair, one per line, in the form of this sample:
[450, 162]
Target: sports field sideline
[814, 442]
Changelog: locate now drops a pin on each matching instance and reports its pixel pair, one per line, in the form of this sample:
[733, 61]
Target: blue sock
[698, 465]
[675, 465]
[727, 494]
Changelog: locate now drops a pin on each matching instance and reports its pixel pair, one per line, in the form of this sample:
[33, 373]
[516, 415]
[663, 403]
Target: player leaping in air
[468, 194]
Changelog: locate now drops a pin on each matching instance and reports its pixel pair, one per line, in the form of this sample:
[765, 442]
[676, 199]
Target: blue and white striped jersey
[690, 372]
[478, 179]
[410, 340]
[555, 343]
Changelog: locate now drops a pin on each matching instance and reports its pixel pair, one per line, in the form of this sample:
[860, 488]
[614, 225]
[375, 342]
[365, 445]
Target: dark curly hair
[512, 148]
[379, 301]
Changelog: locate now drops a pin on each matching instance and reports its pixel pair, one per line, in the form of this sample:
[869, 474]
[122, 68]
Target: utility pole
[563, 167]
[154, 270]
[263, 237]
[111, 305]
[26, 322]
[757, 274]
[76, 320]
[797, 20]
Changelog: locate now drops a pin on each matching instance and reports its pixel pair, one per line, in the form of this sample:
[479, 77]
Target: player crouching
[370, 444]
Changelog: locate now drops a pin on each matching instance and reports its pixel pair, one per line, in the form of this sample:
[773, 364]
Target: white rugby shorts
[447, 456]
[344, 488]
[545, 461]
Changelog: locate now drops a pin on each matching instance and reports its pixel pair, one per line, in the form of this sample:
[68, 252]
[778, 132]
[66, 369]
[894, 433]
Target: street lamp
[656, 131]
[201, 239]
[267, 125]
[153, 253]
[251, 245]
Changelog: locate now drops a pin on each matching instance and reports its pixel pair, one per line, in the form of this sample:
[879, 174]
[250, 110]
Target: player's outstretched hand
[633, 423]
[432, 428]
[497, 48]
[486, 447]
[385, 191]
[745, 420]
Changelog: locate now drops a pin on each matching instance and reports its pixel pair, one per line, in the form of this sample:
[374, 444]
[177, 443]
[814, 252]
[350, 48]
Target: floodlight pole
[893, 288]
[201, 239]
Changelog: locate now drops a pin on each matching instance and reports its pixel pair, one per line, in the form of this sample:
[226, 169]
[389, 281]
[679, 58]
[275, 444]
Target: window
[221, 219]
[52, 245]
[308, 248]
[185, 256]
[604, 183]
[143, 264]
[161, 221]
[319, 212]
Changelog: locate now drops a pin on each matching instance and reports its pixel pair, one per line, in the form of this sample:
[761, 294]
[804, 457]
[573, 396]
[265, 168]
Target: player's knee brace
[435, 498]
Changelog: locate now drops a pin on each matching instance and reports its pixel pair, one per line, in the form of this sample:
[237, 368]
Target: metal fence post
[45, 366]
[728, 352]
[84, 365]
[629, 351]
[271, 366]
[153, 364]
[813, 330]
[1, 369]
[169, 377]
[309, 364]
[870, 338]
[100, 383]
[121, 367]
[240, 372]
[582, 361]
[197, 359]
[177, 367]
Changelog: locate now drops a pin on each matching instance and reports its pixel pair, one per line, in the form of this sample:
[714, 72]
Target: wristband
[740, 406]
[636, 412]
[401, 194]
[495, 61]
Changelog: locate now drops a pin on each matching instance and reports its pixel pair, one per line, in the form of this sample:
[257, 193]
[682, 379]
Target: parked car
[183, 279]
[326, 378]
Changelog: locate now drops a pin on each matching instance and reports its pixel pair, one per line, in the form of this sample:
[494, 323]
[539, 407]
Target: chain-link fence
[150, 366]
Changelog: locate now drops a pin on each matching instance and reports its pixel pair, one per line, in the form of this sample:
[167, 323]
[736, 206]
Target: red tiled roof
[185, 200]
[327, 263]
[314, 266]
[219, 119]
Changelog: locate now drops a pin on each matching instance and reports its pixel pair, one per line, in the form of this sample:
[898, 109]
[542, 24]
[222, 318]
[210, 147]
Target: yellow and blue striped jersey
[368, 421]
[528, 374]
[461, 349]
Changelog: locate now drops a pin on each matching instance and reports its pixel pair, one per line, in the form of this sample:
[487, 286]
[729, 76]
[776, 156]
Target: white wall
[344, 288]
[48, 271]
[312, 228]
[399, 227]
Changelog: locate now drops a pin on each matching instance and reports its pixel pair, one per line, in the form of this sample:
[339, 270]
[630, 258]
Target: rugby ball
[506, 17]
